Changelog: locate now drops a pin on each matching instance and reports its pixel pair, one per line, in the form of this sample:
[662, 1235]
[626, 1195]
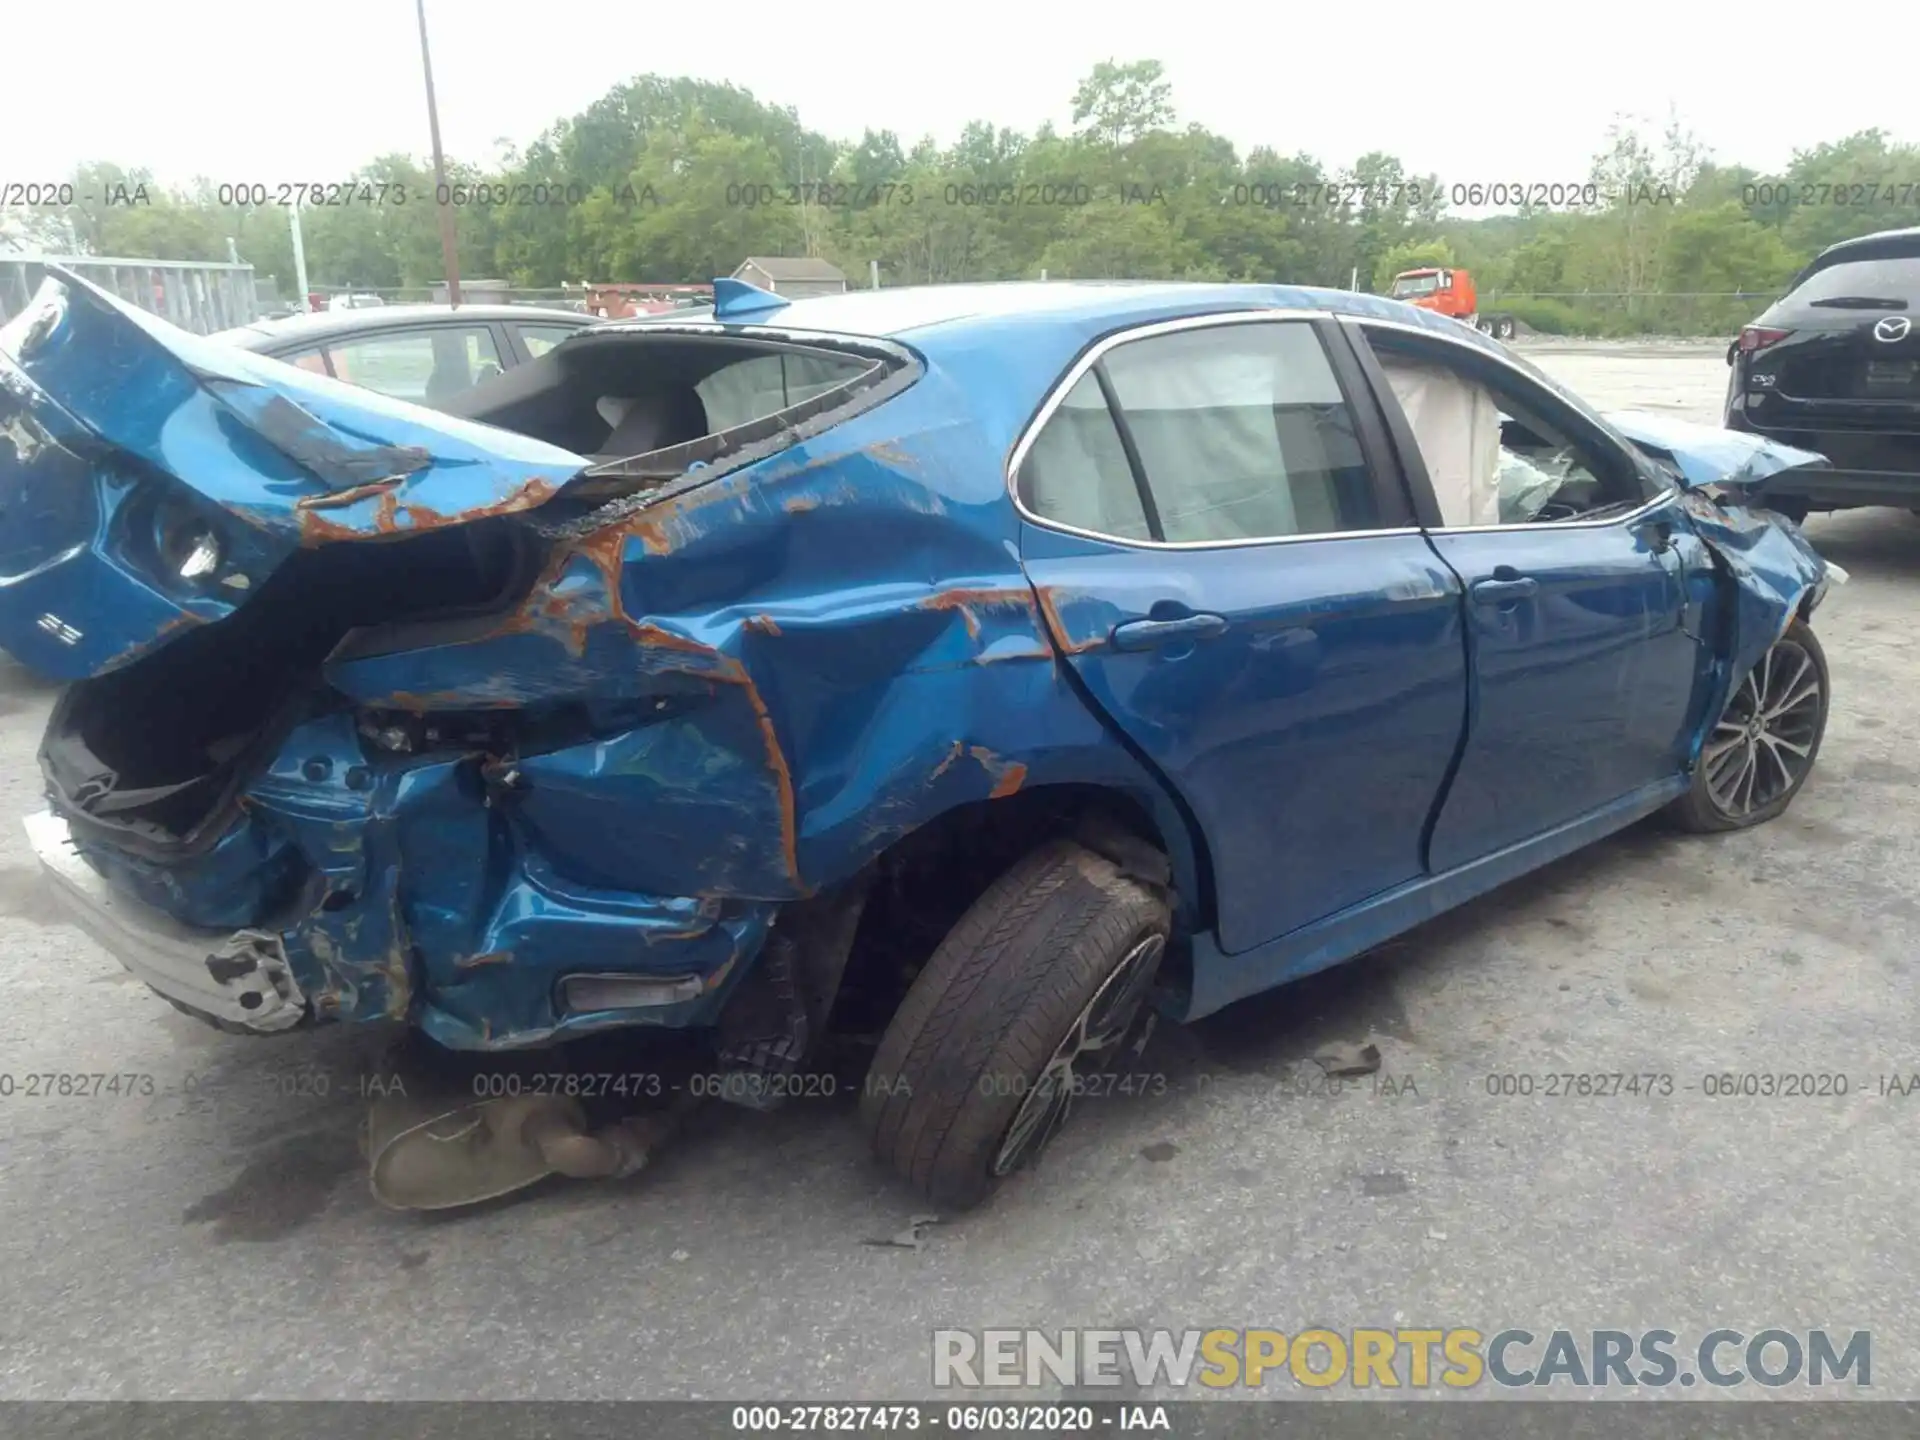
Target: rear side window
[1240, 432]
[767, 384]
[1076, 471]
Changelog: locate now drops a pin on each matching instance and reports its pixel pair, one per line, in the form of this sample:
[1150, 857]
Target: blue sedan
[984, 667]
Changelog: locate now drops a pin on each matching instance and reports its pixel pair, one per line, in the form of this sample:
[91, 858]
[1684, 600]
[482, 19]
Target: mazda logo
[1892, 329]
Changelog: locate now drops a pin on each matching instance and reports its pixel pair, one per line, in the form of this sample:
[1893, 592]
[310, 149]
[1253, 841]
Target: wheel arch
[921, 883]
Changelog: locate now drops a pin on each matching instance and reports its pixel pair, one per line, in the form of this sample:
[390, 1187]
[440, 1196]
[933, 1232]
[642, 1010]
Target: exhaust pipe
[431, 1147]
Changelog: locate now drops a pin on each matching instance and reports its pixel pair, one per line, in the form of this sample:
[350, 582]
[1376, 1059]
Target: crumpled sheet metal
[1773, 571]
[781, 710]
[1708, 455]
[258, 437]
[269, 458]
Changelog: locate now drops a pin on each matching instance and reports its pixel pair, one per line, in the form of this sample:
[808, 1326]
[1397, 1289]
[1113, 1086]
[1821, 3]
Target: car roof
[938, 314]
[1005, 345]
[326, 324]
[1015, 338]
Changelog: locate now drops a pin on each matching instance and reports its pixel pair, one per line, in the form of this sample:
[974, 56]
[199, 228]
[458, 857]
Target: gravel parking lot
[216, 1238]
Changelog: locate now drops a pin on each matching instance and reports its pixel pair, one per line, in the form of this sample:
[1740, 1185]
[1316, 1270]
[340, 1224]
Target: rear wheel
[1762, 748]
[1503, 328]
[1036, 988]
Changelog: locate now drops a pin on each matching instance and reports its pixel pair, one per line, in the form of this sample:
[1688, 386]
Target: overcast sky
[240, 91]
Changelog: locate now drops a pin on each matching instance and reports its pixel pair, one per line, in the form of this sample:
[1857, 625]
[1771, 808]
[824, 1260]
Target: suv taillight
[1756, 337]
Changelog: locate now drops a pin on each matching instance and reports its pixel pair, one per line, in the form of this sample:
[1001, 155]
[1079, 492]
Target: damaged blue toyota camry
[981, 668]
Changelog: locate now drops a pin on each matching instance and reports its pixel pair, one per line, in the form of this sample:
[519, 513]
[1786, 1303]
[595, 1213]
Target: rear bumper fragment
[239, 978]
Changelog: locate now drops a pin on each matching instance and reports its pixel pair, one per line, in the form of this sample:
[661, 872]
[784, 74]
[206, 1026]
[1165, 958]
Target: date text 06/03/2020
[974, 1419]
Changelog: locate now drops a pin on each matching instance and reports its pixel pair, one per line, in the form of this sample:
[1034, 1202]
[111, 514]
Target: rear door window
[426, 366]
[1243, 433]
[1228, 432]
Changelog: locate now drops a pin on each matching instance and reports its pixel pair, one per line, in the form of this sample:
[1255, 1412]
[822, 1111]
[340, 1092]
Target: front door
[1579, 569]
[1232, 570]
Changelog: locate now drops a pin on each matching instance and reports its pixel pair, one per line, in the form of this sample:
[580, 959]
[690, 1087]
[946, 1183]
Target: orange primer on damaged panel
[316, 529]
[967, 601]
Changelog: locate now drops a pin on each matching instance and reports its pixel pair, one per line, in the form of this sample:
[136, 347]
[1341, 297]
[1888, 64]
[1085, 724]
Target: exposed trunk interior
[620, 393]
[157, 750]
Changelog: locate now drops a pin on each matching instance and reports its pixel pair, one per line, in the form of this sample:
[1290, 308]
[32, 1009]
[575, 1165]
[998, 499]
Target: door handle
[1502, 592]
[1146, 634]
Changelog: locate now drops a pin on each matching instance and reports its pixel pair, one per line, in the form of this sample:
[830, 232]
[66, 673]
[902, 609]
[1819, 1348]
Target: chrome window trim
[1632, 517]
[1091, 357]
[1318, 535]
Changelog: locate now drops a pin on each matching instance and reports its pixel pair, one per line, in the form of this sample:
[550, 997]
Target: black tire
[1503, 327]
[1705, 808]
[984, 1023]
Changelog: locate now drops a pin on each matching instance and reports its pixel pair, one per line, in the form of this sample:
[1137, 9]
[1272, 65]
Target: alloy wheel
[1089, 1045]
[1762, 745]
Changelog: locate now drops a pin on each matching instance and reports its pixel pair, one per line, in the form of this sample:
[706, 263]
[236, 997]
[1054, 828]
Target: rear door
[1585, 588]
[1232, 569]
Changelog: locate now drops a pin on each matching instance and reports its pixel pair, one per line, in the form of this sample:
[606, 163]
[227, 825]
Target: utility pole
[299, 257]
[449, 251]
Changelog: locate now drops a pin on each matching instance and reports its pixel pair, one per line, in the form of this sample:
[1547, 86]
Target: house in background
[794, 276]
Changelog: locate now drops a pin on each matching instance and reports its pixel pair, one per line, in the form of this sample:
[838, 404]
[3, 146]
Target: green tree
[1721, 248]
[668, 178]
[1852, 186]
[1118, 103]
[1121, 242]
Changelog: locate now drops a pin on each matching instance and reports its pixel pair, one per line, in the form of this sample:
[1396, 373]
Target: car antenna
[737, 300]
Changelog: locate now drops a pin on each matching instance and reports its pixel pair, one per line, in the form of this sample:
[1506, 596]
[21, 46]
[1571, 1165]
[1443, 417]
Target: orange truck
[1450, 292]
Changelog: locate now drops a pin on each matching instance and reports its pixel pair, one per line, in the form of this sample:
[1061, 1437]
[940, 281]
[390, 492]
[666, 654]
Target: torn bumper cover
[239, 978]
[473, 937]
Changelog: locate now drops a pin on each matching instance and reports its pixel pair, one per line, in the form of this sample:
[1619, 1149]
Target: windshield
[1408, 285]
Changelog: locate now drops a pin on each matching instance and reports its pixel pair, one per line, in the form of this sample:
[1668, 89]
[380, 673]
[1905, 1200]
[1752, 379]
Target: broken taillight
[1758, 337]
